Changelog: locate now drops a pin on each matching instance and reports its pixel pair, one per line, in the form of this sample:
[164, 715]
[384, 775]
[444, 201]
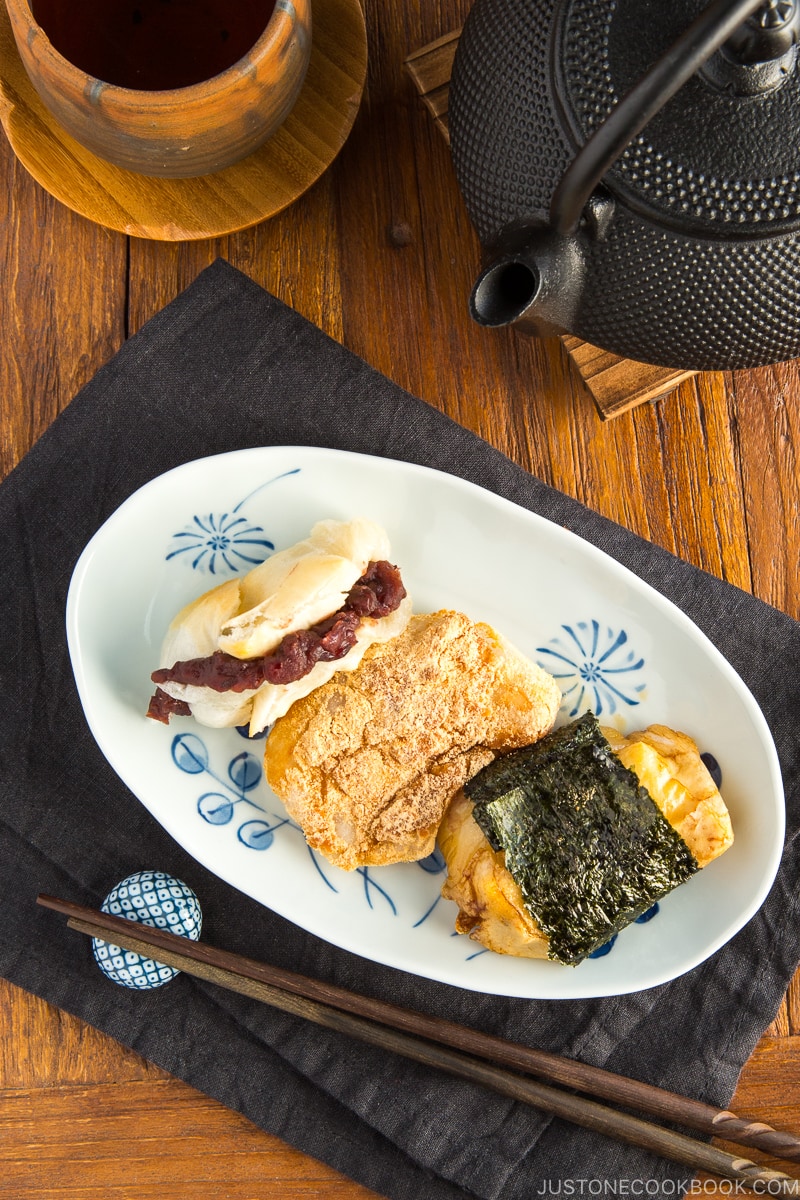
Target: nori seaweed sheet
[585, 842]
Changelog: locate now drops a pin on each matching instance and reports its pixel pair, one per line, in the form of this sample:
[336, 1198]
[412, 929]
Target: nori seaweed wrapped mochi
[584, 841]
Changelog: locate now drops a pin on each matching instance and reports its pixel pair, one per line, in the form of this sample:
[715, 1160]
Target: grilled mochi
[555, 847]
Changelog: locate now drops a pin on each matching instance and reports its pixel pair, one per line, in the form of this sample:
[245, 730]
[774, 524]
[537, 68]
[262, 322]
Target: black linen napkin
[223, 367]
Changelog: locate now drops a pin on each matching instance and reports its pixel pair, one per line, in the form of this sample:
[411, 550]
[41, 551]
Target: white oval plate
[614, 644]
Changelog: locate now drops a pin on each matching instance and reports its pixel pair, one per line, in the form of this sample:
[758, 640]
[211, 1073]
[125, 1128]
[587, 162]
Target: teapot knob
[767, 34]
[761, 54]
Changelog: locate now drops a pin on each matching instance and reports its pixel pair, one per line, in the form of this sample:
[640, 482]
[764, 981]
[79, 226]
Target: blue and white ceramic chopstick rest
[151, 898]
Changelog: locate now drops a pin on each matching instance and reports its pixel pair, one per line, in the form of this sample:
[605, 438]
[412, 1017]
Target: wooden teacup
[178, 132]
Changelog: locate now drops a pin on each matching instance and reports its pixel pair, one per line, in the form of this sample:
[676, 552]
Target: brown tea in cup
[153, 44]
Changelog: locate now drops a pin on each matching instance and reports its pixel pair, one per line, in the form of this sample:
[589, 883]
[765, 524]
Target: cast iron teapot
[663, 226]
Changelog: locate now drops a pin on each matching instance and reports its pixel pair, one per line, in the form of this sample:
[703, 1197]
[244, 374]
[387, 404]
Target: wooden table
[380, 254]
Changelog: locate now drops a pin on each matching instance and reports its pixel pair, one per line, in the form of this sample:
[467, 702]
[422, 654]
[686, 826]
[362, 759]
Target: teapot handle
[669, 73]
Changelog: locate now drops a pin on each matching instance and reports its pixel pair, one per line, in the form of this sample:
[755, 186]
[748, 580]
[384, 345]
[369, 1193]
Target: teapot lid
[533, 80]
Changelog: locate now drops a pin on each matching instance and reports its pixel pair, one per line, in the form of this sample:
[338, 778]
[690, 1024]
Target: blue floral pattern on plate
[603, 950]
[234, 804]
[595, 668]
[225, 540]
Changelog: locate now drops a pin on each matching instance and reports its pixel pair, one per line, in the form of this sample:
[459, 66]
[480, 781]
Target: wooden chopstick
[588, 1079]
[428, 1040]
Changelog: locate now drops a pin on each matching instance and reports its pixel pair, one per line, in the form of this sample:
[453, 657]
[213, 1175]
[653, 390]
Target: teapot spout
[534, 285]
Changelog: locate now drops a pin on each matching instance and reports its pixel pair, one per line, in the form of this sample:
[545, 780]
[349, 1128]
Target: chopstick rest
[428, 1040]
[150, 898]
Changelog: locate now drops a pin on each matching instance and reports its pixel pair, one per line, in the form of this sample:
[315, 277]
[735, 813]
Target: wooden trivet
[616, 384]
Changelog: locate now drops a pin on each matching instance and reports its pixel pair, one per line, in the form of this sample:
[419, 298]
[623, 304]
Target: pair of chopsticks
[481, 1058]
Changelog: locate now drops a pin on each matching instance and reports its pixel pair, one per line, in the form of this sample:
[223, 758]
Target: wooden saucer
[177, 210]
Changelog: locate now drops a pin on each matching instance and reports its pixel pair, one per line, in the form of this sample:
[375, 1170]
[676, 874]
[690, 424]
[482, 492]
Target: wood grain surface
[379, 254]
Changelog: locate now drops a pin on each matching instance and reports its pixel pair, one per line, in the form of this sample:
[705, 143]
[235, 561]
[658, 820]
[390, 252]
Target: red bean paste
[376, 594]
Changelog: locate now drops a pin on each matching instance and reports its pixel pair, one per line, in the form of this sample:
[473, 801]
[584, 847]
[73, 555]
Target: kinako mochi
[555, 847]
[368, 763]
